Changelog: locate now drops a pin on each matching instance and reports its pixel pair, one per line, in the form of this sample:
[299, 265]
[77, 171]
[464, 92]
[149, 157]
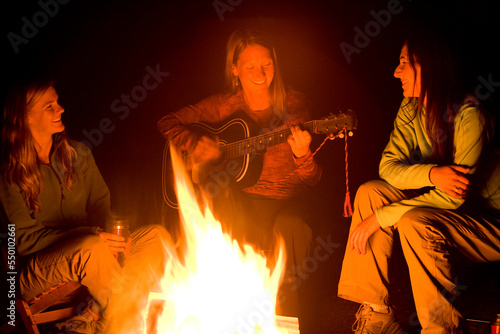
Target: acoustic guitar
[242, 151]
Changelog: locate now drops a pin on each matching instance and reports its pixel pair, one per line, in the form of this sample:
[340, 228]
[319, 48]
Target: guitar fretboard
[261, 142]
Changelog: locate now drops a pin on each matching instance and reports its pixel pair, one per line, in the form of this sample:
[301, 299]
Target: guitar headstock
[334, 123]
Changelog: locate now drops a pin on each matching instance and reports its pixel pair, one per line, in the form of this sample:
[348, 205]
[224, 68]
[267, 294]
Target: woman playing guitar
[255, 212]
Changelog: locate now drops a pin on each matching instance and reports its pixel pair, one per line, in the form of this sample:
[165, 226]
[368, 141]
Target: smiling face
[255, 69]
[410, 76]
[44, 117]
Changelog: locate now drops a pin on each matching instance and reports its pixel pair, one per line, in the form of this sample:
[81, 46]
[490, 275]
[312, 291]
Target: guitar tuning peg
[341, 135]
[350, 133]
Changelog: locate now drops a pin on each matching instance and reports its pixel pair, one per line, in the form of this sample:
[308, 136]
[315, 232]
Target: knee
[371, 185]
[151, 239]
[153, 232]
[370, 188]
[412, 221]
[293, 226]
[416, 227]
[90, 244]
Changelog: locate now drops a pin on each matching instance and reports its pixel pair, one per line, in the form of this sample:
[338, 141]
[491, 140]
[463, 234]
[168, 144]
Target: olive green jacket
[64, 213]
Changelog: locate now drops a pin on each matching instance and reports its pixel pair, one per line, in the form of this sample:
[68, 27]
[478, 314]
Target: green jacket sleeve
[403, 161]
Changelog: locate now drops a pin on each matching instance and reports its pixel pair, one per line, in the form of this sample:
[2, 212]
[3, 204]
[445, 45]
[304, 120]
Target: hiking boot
[370, 322]
[80, 324]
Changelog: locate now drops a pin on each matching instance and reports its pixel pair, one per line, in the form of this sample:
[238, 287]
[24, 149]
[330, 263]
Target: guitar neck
[261, 142]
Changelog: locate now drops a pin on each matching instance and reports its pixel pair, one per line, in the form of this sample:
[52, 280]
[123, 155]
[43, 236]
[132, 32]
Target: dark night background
[99, 50]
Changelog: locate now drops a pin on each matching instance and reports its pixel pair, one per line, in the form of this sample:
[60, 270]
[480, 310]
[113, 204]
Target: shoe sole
[395, 328]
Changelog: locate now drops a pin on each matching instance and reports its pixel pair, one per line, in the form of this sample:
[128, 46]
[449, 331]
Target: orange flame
[217, 287]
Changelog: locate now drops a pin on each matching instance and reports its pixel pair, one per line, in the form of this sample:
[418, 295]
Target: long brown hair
[237, 42]
[443, 89]
[18, 145]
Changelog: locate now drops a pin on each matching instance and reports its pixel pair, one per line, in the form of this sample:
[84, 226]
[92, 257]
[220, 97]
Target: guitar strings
[347, 202]
[239, 147]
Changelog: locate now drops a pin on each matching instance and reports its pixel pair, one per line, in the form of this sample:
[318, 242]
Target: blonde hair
[18, 144]
[237, 42]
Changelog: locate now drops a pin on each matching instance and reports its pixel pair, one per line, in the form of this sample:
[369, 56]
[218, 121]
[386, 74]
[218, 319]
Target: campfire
[216, 285]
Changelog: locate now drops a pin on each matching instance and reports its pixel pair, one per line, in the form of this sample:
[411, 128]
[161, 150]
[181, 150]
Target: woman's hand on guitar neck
[299, 141]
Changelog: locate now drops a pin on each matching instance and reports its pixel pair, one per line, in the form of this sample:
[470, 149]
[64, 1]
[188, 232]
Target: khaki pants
[427, 238]
[120, 292]
[283, 220]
